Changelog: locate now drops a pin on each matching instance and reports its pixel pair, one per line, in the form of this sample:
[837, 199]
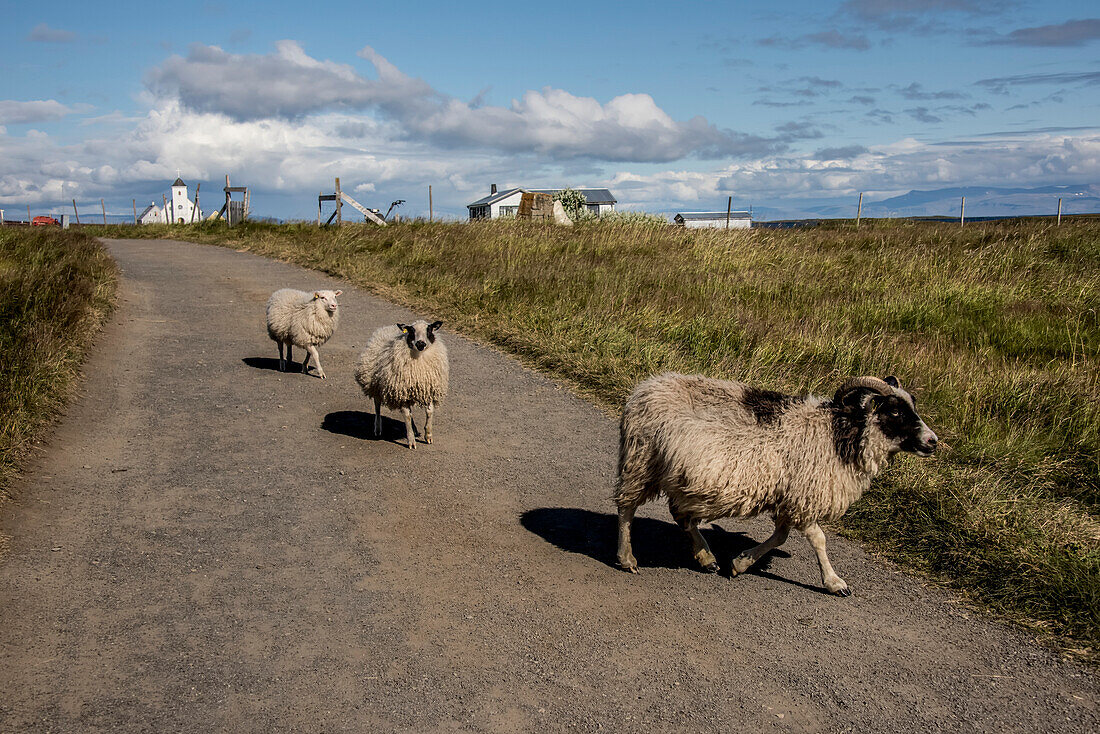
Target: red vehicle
[41, 221]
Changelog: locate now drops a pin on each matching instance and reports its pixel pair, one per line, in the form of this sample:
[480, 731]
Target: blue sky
[671, 105]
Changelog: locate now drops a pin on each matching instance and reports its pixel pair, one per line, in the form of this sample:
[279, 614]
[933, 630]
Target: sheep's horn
[874, 384]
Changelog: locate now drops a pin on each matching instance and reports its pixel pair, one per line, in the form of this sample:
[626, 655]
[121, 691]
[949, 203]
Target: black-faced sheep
[403, 366]
[307, 320]
[724, 449]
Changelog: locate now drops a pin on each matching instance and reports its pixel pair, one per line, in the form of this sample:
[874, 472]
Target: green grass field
[994, 326]
[56, 290]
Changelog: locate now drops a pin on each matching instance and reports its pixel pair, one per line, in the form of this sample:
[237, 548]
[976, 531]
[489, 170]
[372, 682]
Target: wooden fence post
[167, 213]
[28, 214]
[1059, 210]
[859, 209]
[103, 208]
[962, 212]
[431, 212]
[339, 205]
[76, 212]
[133, 201]
[729, 205]
[195, 208]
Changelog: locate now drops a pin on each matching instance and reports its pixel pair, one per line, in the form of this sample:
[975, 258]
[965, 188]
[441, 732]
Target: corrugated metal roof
[695, 216]
[591, 196]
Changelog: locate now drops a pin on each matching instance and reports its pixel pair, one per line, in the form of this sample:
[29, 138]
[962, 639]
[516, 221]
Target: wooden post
[133, 201]
[962, 212]
[729, 205]
[28, 214]
[431, 212]
[76, 212]
[195, 208]
[859, 209]
[339, 204]
[228, 215]
[319, 195]
[167, 213]
[1059, 210]
[103, 208]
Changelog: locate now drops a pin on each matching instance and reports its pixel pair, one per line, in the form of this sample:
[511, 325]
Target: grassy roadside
[56, 290]
[994, 326]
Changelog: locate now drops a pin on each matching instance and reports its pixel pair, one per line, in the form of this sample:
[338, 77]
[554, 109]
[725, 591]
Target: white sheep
[402, 366]
[307, 320]
[724, 449]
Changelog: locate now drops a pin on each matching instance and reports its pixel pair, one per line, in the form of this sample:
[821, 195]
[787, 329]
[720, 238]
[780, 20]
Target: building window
[594, 209]
[509, 211]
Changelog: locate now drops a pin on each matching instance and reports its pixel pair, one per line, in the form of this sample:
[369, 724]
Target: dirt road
[207, 544]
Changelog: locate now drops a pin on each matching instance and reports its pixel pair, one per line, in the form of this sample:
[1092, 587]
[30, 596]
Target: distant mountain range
[981, 201]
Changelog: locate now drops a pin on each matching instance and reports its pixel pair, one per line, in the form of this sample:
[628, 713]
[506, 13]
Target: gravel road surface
[207, 544]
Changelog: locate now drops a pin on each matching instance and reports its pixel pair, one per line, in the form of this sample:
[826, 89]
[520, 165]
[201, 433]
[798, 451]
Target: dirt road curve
[207, 544]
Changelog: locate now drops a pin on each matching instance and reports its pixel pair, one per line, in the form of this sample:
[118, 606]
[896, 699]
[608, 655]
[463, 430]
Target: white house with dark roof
[505, 203]
[713, 220]
[179, 209]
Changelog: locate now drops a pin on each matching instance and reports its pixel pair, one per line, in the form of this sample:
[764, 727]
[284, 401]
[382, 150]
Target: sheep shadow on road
[360, 424]
[271, 363]
[656, 543]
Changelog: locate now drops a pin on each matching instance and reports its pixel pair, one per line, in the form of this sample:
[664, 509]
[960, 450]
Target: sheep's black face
[419, 335]
[896, 416]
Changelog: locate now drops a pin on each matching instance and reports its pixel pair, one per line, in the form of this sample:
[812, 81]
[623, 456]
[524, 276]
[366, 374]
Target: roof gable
[494, 198]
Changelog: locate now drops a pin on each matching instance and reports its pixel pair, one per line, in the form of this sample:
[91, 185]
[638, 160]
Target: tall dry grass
[994, 327]
[56, 289]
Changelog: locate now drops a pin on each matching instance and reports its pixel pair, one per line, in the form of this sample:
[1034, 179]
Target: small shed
[713, 220]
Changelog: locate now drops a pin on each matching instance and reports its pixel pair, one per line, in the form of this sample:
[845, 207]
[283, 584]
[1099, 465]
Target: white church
[179, 209]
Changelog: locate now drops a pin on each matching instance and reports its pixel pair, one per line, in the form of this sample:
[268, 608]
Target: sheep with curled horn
[717, 448]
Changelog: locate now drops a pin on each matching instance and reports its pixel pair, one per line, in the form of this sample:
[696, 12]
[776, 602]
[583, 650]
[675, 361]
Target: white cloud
[1025, 160]
[15, 112]
[289, 84]
[42, 33]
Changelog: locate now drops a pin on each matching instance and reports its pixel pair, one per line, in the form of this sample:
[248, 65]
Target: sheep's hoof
[629, 565]
[322, 375]
[711, 567]
[740, 564]
[843, 592]
[412, 444]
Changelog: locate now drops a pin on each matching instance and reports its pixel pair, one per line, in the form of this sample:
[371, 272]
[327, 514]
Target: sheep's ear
[891, 381]
[436, 325]
[316, 295]
[337, 293]
[403, 328]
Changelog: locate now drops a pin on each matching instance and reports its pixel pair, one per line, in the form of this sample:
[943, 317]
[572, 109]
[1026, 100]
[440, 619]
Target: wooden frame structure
[341, 198]
[234, 212]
